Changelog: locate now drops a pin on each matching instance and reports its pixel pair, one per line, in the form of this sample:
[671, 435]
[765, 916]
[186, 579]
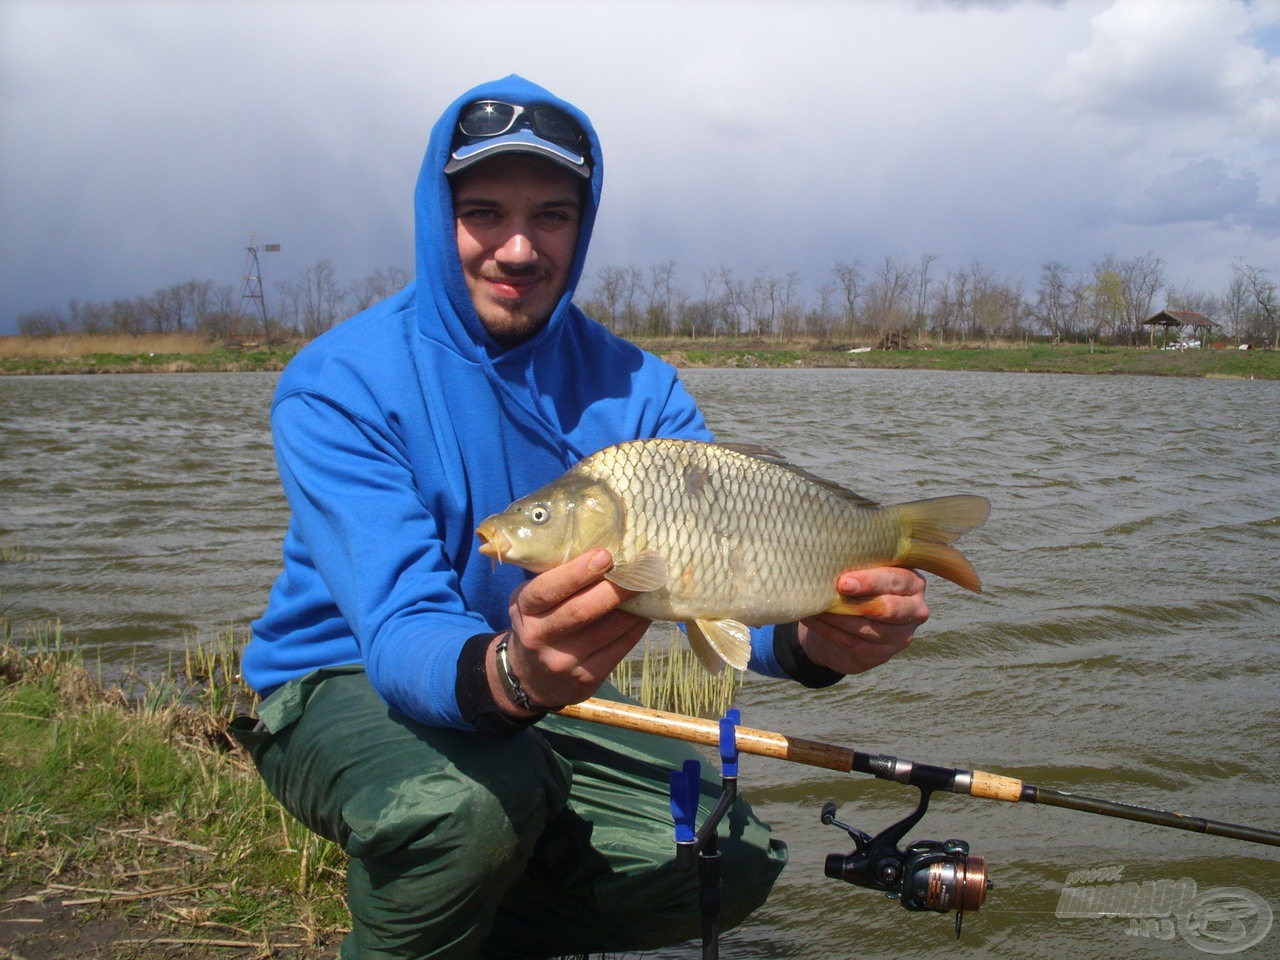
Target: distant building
[1182, 318]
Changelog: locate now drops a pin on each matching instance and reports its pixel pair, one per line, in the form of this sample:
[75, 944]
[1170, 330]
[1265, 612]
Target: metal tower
[251, 290]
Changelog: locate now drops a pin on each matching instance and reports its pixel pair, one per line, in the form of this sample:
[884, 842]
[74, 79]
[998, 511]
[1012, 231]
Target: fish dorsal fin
[728, 640]
[758, 452]
[767, 455]
[646, 572]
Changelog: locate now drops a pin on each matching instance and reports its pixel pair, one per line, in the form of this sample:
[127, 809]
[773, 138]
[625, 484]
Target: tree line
[1106, 302]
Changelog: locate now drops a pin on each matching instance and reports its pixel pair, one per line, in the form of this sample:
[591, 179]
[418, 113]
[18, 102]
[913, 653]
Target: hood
[445, 311]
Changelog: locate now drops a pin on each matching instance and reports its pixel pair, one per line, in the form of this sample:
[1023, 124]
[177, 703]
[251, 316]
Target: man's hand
[567, 634]
[893, 609]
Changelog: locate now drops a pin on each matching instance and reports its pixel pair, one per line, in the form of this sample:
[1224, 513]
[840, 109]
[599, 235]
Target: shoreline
[77, 356]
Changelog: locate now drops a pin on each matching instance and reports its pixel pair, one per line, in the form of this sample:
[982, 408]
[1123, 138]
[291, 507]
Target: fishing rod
[928, 874]
[973, 783]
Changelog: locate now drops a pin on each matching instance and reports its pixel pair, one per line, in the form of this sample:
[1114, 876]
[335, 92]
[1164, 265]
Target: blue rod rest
[684, 785]
[729, 742]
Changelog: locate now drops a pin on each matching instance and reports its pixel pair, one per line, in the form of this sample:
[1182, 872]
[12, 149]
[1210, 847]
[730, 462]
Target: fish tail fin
[932, 526]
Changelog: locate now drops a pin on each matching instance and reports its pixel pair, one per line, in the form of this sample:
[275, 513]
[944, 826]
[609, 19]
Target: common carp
[722, 536]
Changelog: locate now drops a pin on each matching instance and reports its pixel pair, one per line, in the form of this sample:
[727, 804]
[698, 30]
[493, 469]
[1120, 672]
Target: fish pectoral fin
[644, 573]
[727, 640]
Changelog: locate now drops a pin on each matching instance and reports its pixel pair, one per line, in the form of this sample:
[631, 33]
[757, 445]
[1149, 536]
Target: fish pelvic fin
[717, 642]
[932, 526]
[702, 648]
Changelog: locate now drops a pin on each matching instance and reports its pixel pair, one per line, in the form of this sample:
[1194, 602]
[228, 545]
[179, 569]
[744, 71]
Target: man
[407, 682]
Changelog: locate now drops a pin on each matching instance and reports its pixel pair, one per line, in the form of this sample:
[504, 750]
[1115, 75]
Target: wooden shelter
[1182, 318]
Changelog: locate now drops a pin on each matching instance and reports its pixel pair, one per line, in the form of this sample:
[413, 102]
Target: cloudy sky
[141, 143]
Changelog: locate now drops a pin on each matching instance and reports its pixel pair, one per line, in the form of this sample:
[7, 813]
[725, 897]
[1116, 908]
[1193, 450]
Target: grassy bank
[157, 353]
[182, 353]
[1079, 358]
[130, 827]
[133, 828]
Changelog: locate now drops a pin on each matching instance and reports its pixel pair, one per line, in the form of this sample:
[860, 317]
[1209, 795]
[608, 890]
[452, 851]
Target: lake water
[1126, 645]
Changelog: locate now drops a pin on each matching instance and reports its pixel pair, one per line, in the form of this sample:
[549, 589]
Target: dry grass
[87, 344]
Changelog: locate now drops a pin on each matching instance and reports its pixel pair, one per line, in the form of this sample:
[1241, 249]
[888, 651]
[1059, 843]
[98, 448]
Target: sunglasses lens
[556, 126]
[487, 118]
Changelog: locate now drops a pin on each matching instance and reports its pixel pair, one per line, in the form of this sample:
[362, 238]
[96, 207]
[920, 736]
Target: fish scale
[722, 536]
[732, 533]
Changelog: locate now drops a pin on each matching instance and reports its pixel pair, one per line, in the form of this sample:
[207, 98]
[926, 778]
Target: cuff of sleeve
[792, 658]
[475, 700]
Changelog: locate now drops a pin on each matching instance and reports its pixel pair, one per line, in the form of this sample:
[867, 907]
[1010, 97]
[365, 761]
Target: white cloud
[1148, 60]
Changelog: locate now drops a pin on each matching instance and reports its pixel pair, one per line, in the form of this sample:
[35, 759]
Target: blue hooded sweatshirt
[402, 428]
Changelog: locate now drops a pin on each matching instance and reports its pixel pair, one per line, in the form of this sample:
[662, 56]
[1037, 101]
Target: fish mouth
[493, 542]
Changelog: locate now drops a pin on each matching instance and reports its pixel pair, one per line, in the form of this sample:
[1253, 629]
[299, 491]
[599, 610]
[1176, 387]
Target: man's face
[517, 224]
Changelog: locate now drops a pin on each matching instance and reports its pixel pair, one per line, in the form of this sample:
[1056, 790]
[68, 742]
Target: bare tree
[377, 286]
[706, 314]
[737, 301]
[851, 283]
[43, 323]
[791, 306]
[660, 296]
[1059, 301]
[1141, 278]
[920, 301]
[314, 302]
[1263, 313]
[605, 299]
[888, 297]
[217, 312]
[819, 321]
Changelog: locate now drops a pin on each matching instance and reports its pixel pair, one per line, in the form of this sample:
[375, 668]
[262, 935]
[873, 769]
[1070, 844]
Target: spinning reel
[927, 875]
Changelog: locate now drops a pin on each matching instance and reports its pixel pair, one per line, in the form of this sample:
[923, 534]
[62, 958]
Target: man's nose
[517, 250]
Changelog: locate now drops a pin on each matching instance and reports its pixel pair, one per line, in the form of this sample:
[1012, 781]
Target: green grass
[1036, 358]
[99, 790]
[132, 805]
[1079, 358]
[213, 361]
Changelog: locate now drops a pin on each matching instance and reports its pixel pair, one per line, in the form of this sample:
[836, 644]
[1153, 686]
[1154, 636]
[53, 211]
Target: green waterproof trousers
[554, 842]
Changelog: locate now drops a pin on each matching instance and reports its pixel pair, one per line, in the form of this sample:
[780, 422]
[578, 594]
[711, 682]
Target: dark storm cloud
[1205, 190]
[143, 142]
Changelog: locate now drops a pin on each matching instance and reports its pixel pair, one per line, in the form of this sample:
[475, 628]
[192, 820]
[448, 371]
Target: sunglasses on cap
[492, 118]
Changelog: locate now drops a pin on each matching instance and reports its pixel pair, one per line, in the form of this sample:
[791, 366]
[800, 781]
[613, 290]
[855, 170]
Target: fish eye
[539, 513]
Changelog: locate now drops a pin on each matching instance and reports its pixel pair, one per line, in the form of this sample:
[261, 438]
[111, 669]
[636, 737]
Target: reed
[664, 674]
[62, 346]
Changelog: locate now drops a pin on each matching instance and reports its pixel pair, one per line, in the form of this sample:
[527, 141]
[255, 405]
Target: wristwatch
[511, 685]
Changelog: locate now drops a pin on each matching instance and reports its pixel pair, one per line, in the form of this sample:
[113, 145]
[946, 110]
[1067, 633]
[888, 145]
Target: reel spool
[938, 876]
